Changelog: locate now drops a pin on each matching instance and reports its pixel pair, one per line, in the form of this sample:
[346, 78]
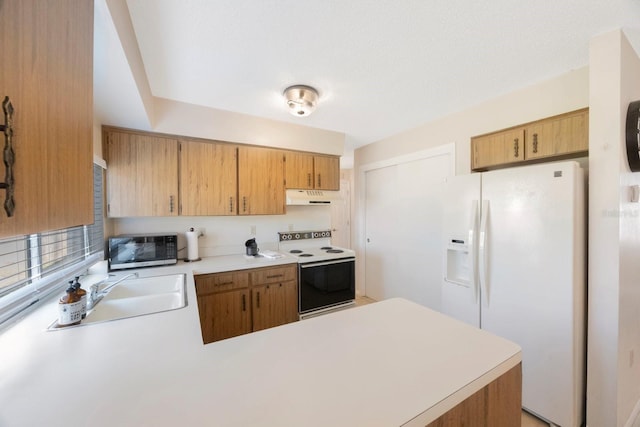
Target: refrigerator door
[534, 280]
[460, 288]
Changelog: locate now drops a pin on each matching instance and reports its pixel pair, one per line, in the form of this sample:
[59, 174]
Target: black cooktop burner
[335, 251]
[306, 255]
[324, 248]
[295, 251]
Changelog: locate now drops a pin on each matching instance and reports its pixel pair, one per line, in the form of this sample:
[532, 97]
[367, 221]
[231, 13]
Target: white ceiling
[381, 66]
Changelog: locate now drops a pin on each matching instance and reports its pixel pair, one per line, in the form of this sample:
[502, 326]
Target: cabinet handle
[515, 147]
[230, 204]
[244, 302]
[319, 180]
[8, 156]
[171, 204]
[244, 203]
[535, 142]
[223, 283]
[273, 276]
[309, 179]
[258, 299]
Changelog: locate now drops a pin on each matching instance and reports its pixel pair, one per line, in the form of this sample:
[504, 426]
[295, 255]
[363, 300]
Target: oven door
[326, 283]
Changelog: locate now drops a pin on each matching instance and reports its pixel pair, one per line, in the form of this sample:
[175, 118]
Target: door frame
[360, 240]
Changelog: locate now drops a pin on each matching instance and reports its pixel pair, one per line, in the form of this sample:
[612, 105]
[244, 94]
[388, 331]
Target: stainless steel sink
[136, 297]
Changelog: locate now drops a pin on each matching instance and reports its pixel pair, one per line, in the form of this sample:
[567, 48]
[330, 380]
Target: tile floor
[528, 420]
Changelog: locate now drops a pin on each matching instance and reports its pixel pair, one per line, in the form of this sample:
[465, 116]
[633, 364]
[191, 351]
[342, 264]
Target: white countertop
[381, 364]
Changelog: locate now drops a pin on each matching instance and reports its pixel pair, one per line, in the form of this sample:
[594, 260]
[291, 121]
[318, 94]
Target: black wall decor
[633, 136]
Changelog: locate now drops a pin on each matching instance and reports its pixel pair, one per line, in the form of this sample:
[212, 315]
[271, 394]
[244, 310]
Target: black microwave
[132, 251]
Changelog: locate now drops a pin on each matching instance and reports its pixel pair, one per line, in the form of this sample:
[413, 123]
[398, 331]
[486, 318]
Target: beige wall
[613, 381]
[564, 93]
[192, 120]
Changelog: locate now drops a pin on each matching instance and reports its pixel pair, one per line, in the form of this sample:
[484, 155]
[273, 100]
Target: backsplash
[225, 235]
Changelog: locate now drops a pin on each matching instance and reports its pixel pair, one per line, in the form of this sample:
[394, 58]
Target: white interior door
[403, 229]
[380, 219]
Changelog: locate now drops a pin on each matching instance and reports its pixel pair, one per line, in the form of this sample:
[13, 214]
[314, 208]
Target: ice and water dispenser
[459, 263]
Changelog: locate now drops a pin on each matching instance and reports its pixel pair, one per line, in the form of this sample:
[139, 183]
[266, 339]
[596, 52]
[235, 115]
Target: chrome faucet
[96, 294]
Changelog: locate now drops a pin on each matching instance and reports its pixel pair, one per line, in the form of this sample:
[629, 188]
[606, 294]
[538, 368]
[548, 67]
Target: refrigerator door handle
[482, 251]
[473, 249]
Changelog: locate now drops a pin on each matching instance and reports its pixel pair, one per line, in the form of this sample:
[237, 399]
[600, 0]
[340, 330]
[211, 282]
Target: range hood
[312, 197]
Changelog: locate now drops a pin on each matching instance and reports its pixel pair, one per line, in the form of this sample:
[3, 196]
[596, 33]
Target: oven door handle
[319, 264]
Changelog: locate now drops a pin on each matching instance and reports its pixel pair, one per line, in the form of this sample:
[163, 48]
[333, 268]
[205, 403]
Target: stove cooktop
[310, 254]
[311, 246]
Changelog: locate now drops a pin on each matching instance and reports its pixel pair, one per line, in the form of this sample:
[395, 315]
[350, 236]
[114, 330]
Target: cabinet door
[260, 181]
[224, 315]
[560, 135]
[274, 305]
[299, 171]
[142, 175]
[208, 178]
[498, 148]
[326, 173]
[47, 71]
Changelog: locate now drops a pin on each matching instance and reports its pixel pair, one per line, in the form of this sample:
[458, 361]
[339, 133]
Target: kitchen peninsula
[389, 363]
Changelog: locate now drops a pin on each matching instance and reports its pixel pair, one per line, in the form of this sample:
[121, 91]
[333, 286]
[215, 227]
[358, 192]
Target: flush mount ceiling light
[301, 99]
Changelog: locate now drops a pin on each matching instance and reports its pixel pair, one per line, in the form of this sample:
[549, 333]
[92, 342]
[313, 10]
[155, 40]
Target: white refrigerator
[514, 256]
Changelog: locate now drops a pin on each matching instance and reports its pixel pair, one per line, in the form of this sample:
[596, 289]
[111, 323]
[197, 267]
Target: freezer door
[534, 280]
[460, 291]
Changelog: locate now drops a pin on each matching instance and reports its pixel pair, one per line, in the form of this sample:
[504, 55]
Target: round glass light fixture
[301, 99]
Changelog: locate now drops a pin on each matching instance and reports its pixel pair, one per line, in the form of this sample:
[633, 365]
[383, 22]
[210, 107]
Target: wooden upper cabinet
[498, 148]
[208, 178]
[326, 172]
[562, 136]
[260, 181]
[299, 170]
[307, 171]
[142, 175]
[568, 133]
[47, 72]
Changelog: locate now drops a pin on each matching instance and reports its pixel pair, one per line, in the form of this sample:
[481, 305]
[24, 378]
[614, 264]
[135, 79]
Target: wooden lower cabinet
[224, 315]
[238, 302]
[496, 405]
[274, 305]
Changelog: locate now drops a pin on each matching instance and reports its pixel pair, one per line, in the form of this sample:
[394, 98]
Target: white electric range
[326, 273]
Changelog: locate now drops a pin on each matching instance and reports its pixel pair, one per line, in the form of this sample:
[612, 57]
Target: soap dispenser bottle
[83, 296]
[69, 308]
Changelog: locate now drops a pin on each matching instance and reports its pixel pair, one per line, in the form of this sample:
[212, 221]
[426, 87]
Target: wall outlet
[253, 230]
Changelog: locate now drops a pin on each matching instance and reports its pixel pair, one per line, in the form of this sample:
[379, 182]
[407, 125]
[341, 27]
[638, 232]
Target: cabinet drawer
[274, 275]
[211, 283]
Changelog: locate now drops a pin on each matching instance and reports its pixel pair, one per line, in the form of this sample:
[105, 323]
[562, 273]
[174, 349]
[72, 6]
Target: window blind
[34, 265]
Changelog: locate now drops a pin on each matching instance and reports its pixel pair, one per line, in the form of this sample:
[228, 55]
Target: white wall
[613, 381]
[226, 235]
